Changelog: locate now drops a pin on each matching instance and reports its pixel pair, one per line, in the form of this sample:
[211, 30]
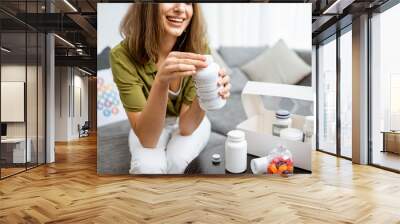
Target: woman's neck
[166, 45]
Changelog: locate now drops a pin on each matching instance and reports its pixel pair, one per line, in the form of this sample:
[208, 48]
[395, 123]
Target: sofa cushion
[226, 119]
[305, 55]
[113, 156]
[238, 80]
[238, 56]
[278, 64]
[307, 81]
[220, 61]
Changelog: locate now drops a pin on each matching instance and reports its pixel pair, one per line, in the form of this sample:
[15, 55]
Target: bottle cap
[236, 135]
[216, 158]
[282, 114]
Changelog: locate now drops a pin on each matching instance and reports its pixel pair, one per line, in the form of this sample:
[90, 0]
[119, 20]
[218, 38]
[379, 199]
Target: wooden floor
[10, 171]
[70, 191]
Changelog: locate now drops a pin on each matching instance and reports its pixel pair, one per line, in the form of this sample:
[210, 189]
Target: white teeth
[175, 19]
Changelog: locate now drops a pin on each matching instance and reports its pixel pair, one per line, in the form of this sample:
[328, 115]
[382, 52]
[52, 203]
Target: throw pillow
[278, 64]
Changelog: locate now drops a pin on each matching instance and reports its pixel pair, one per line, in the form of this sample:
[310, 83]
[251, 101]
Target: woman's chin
[175, 32]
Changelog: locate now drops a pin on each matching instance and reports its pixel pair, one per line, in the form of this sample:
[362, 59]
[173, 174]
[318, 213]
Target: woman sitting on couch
[153, 68]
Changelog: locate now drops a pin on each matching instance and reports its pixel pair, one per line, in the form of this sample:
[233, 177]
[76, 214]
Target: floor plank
[69, 191]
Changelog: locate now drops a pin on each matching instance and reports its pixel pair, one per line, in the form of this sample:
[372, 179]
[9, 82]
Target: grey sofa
[113, 155]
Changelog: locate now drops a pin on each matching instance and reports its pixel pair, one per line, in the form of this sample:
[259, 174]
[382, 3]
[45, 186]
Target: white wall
[80, 96]
[12, 73]
[82, 82]
[258, 24]
[68, 83]
[33, 126]
[61, 103]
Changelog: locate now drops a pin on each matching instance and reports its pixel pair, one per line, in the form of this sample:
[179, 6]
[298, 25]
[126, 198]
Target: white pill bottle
[207, 88]
[236, 152]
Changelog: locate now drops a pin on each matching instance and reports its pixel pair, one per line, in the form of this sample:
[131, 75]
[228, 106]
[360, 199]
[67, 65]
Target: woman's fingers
[185, 73]
[222, 72]
[225, 90]
[180, 68]
[187, 55]
[180, 64]
[224, 80]
[226, 95]
[197, 63]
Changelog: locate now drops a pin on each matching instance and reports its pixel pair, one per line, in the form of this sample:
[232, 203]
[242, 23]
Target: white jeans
[173, 151]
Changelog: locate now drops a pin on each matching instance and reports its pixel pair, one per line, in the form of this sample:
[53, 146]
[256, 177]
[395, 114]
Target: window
[346, 94]
[385, 89]
[333, 137]
[22, 66]
[327, 96]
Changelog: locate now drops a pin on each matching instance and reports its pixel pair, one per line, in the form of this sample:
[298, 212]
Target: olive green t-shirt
[134, 82]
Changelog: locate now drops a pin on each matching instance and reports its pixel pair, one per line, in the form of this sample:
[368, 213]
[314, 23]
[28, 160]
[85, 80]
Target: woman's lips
[176, 21]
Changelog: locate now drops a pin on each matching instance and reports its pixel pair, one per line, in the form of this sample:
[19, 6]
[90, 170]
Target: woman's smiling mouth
[175, 20]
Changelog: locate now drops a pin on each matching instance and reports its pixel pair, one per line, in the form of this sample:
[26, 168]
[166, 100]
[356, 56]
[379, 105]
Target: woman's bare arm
[190, 117]
[148, 124]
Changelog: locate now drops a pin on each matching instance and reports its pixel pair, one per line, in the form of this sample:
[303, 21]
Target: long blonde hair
[142, 29]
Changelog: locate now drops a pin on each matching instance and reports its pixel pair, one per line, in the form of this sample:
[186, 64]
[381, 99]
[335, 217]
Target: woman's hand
[178, 64]
[224, 80]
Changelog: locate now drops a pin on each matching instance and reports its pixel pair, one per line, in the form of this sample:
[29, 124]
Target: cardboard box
[258, 126]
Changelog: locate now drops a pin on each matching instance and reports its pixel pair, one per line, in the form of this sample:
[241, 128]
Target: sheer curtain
[258, 24]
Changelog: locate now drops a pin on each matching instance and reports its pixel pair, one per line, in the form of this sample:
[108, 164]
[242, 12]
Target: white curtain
[258, 24]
